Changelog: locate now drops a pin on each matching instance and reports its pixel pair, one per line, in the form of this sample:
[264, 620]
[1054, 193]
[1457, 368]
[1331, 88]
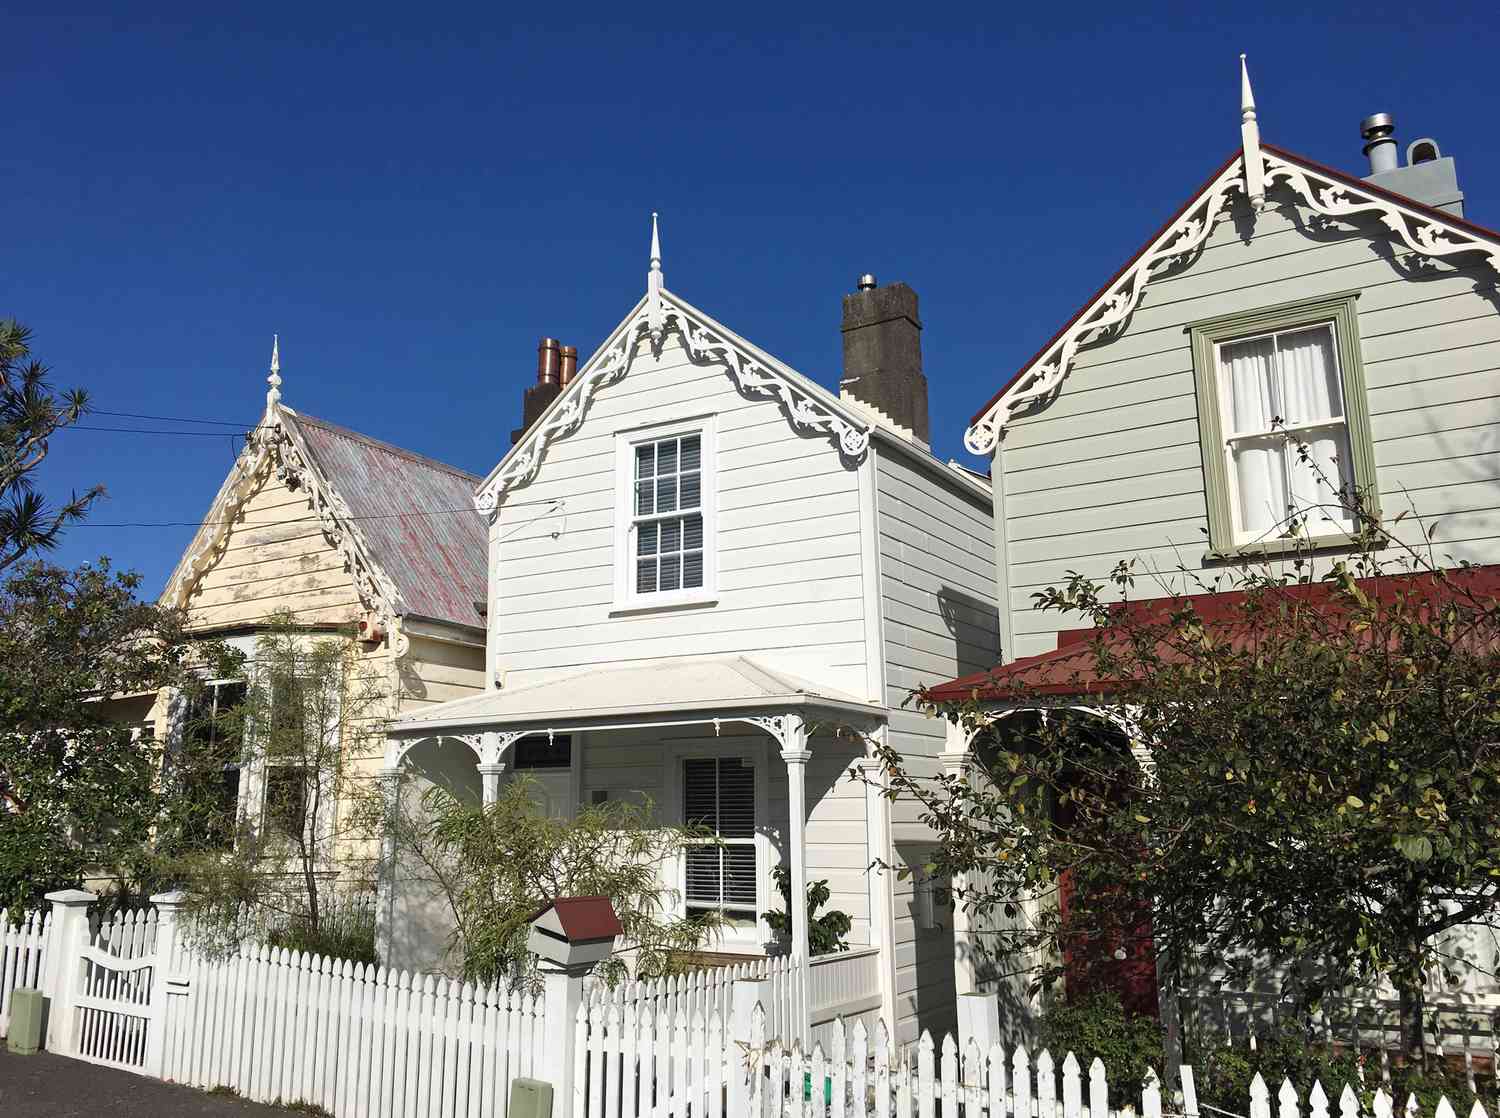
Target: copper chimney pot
[569, 364]
[548, 360]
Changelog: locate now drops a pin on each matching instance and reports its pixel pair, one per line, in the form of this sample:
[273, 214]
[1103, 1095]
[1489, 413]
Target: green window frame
[1337, 311]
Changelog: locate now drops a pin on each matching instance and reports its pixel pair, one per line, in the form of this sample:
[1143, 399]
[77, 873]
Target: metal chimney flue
[539, 396]
[548, 361]
[1379, 132]
[569, 367]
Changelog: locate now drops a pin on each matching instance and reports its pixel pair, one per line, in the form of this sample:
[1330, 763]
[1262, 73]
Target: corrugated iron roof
[416, 514]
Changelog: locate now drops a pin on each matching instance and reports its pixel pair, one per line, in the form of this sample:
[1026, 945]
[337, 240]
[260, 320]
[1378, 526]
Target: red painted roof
[585, 917]
[1071, 668]
[1290, 157]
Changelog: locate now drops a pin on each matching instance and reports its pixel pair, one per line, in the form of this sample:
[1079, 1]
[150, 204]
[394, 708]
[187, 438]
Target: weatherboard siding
[1111, 469]
[788, 543]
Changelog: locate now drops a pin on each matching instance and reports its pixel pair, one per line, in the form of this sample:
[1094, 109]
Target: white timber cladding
[785, 506]
[1111, 468]
[937, 591]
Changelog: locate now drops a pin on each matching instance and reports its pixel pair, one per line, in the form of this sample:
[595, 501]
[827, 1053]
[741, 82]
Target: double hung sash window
[667, 521]
[719, 798]
[1285, 428]
[1287, 439]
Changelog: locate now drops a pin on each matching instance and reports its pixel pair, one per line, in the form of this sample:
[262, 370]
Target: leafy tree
[1322, 790]
[78, 786]
[275, 848]
[825, 934]
[498, 864]
[30, 414]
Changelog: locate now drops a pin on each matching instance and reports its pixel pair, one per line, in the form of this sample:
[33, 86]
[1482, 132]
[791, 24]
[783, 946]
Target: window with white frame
[718, 796]
[666, 516]
[212, 733]
[1285, 429]
[298, 749]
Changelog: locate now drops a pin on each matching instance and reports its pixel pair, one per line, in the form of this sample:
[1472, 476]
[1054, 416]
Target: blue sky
[412, 195]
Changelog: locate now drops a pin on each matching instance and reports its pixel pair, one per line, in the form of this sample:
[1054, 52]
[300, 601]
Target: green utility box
[530, 1098]
[25, 1036]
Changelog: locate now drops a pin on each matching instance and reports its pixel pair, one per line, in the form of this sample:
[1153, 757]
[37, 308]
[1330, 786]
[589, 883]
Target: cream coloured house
[361, 542]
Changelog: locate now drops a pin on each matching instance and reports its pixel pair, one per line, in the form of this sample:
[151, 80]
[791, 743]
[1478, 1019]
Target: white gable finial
[654, 312]
[1255, 172]
[273, 394]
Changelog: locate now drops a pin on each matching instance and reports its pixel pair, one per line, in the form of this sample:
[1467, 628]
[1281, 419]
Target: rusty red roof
[1071, 668]
[584, 918]
[1290, 157]
[416, 514]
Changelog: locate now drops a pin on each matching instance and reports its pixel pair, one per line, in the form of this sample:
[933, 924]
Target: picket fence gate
[117, 1005]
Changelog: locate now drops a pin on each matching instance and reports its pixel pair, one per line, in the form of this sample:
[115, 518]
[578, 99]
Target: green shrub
[344, 936]
[1097, 1026]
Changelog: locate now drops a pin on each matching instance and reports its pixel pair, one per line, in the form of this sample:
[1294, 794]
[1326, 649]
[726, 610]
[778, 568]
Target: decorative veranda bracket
[1420, 232]
[705, 347]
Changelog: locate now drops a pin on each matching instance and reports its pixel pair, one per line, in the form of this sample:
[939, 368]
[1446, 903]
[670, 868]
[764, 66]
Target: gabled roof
[417, 516]
[807, 405]
[1330, 192]
[1071, 669]
[406, 525]
[706, 684]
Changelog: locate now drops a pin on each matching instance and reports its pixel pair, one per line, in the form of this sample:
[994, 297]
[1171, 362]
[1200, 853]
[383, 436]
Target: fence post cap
[72, 898]
[174, 898]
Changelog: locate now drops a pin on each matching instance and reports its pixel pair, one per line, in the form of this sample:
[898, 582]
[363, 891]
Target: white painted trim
[871, 579]
[626, 598]
[1000, 518]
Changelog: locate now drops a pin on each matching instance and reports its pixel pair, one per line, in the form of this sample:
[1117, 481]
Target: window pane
[645, 576]
[671, 572]
[286, 799]
[703, 875]
[700, 790]
[644, 493]
[645, 459]
[666, 494]
[1309, 376]
[736, 799]
[1260, 481]
[671, 535]
[692, 570]
[647, 538]
[1320, 486]
[692, 531]
[1247, 369]
[666, 456]
[691, 487]
[739, 876]
[691, 456]
[541, 752]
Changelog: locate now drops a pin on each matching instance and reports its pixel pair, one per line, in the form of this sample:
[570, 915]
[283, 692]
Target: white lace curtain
[1294, 377]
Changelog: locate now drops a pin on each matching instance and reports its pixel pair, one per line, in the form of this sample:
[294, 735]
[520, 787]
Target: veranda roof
[1071, 669]
[707, 686]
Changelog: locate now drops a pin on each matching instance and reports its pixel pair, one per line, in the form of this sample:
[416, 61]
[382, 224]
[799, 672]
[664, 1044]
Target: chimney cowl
[867, 282]
[1379, 133]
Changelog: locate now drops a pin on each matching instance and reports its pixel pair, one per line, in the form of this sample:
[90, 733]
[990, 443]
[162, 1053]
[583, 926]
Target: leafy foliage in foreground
[825, 934]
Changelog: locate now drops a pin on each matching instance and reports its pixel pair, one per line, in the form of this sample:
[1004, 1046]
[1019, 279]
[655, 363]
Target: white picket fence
[356, 1040]
[22, 945]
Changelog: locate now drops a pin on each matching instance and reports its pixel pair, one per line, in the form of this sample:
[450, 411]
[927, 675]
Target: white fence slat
[1286, 1102]
[1098, 1090]
[1072, 1088]
[926, 1086]
[882, 1071]
[1020, 1083]
[949, 1072]
[1046, 1086]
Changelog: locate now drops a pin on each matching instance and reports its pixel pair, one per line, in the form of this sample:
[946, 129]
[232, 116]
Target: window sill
[664, 603]
[1292, 545]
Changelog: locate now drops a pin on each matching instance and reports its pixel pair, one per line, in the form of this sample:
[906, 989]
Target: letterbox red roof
[583, 918]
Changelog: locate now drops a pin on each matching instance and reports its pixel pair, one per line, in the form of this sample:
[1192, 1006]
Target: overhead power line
[239, 423]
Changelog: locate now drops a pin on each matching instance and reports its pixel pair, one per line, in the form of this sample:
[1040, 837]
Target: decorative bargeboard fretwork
[704, 346]
[1333, 198]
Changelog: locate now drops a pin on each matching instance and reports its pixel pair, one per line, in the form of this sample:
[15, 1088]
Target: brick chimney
[883, 358]
[540, 395]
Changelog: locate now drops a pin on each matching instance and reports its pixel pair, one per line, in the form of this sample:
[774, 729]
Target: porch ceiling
[707, 686]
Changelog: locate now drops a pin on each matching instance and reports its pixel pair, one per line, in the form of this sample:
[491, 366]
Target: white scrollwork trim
[1422, 233]
[704, 346]
[1109, 310]
[271, 447]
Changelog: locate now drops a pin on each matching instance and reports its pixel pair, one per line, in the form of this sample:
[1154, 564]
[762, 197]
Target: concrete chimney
[1427, 177]
[883, 358]
[548, 384]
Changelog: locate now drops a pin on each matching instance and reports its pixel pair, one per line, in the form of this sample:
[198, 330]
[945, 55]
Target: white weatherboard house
[1361, 315]
[701, 562]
